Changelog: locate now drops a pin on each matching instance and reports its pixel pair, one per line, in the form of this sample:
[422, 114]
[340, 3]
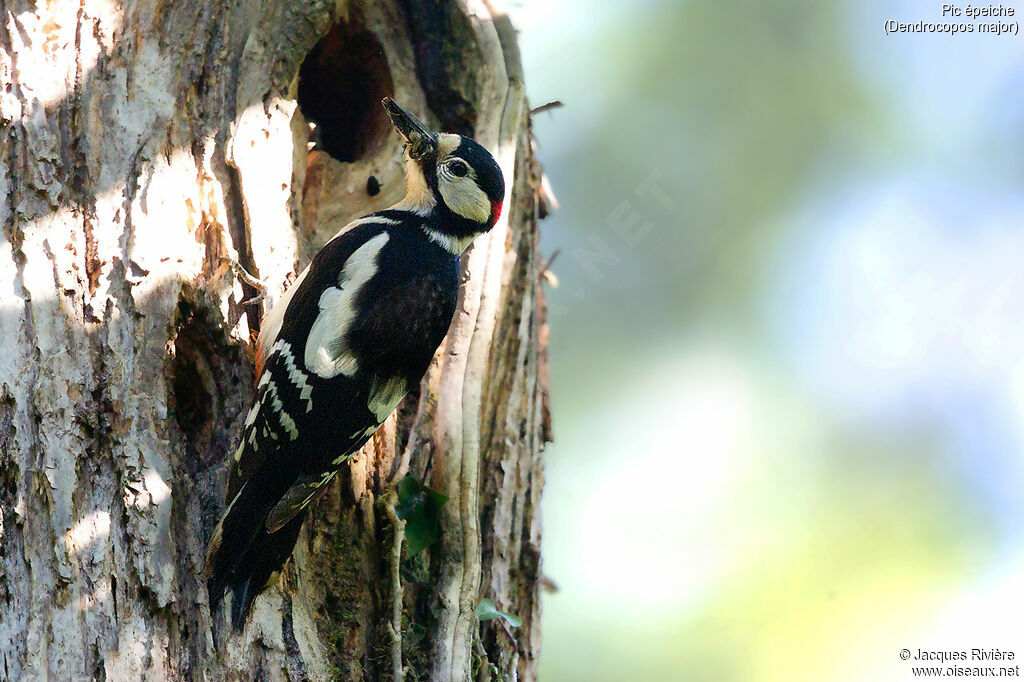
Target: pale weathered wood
[142, 146]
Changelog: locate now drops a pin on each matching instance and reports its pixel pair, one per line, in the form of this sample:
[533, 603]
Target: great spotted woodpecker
[337, 353]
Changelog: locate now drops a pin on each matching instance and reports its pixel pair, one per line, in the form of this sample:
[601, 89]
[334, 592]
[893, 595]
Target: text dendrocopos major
[357, 328]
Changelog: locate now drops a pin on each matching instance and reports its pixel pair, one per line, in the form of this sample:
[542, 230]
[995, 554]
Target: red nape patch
[495, 211]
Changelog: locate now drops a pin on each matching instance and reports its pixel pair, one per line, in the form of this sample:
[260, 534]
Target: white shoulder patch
[327, 353]
[275, 316]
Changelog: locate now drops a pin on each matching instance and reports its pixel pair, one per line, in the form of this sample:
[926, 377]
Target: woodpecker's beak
[420, 140]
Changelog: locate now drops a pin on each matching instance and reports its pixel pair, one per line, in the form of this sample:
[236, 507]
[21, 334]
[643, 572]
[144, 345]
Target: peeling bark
[142, 147]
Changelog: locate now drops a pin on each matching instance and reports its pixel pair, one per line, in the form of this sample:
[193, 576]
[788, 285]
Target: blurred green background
[788, 340]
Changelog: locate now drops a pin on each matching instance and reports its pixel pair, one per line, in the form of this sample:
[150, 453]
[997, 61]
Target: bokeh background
[788, 338]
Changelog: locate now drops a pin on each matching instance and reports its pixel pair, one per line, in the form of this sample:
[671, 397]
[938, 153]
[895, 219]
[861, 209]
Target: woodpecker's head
[449, 174]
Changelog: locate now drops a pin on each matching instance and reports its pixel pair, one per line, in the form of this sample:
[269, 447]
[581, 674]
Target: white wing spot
[367, 432]
[218, 532]
[234, 499]
[254, 412]
[297, 376]
[325, 478]
[287, 423]
[327, 354]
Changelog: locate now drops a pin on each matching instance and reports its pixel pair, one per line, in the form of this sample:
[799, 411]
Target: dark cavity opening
[341, 83]
[208, 381]
[193, 389]
[195, 399]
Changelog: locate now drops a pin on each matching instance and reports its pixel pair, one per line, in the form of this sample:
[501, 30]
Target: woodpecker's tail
[243, 556]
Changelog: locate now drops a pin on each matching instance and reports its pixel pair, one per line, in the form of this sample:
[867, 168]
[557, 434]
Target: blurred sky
[788, 341]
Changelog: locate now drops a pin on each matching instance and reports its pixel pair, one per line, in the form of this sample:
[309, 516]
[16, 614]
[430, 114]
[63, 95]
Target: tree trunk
[144, 145]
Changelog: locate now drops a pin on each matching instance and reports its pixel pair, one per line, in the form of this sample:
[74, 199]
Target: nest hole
[341, 83]
[193, 390]
[207, 375]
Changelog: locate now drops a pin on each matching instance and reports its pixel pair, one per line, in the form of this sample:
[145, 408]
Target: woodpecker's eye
[458, 168]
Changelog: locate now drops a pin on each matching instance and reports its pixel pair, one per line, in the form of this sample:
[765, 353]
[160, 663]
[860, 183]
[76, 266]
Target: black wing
[278, 441]
[306, 423]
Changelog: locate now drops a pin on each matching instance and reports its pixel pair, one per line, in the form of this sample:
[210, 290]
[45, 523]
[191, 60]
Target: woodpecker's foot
[254, 282]
[258, 298]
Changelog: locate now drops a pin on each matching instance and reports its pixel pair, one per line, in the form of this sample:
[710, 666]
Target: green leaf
[419, 506]
[487, 611]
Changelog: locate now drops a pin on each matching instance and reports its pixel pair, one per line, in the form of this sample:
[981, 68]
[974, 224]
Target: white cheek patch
[327, 353]
[464, 197]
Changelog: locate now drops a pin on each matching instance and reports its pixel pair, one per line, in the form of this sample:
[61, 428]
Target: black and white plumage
[341, 348]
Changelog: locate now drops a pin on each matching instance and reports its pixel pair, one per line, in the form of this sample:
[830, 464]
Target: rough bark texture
[141, 145]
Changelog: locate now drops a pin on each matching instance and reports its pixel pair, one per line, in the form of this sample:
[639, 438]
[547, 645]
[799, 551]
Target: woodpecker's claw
[252, 281]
